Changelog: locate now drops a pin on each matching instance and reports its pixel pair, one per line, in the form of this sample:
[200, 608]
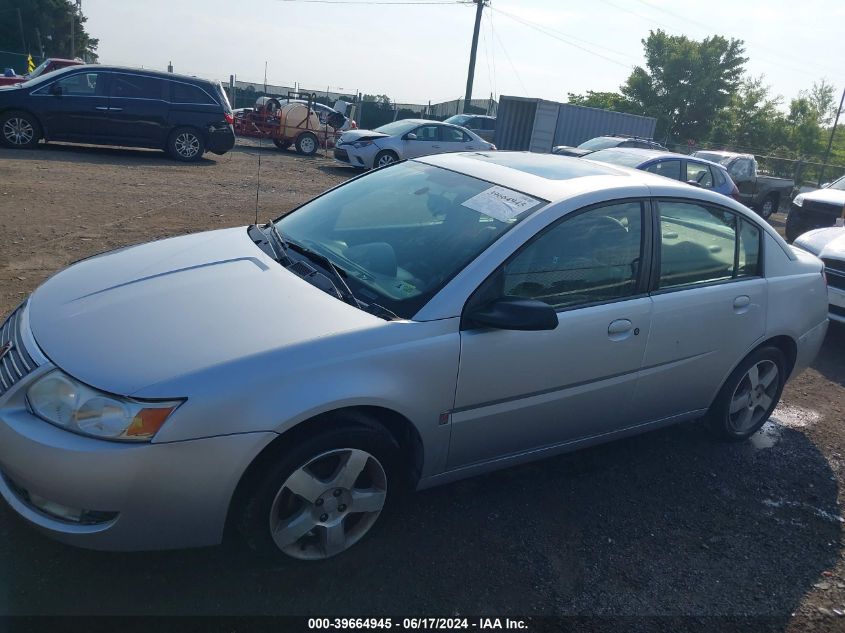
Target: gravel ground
[670, 523]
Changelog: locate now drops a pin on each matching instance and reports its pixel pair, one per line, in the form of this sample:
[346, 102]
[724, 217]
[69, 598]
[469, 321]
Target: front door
[75, 108]
[422, 141]
[519, 391]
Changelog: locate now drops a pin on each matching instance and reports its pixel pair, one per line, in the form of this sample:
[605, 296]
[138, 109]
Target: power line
[508, 57]
[548, 32]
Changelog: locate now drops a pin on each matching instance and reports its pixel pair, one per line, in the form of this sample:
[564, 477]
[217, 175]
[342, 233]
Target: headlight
[65, 402]
[360, 144]
[798, 201]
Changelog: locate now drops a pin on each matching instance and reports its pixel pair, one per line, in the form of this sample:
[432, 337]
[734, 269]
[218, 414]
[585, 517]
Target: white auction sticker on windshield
[500, 203]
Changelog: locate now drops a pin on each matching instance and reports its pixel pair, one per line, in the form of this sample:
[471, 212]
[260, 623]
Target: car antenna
[260, 147]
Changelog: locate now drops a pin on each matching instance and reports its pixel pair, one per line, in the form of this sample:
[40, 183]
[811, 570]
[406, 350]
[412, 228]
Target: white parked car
[829, 245]
[408, 138]
[434, 320]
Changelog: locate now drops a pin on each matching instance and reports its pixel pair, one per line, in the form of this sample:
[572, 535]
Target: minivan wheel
[186, 144]
[307, 144]
[19, 130]
[322, 496]
[749, 395]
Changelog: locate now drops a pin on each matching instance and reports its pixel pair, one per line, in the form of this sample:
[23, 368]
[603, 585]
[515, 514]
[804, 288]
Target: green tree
[822, 98]
[605, 101]
[805, 132]
[752, 120]
[685, 82]
[47, 24]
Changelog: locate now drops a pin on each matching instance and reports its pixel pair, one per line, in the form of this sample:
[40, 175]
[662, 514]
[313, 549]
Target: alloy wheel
[753, 396]
[187, 145]
[385, 160]
[18, 131]
[327, 505]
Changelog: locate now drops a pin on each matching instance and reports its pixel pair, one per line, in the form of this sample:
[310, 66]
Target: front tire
[384, 158]
[307, 144]
[323, 495]
[186, 144]
[19, 130]
[749, 395]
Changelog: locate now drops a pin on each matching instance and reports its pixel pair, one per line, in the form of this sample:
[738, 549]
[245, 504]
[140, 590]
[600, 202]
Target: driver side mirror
[513, 313]
[56, 90]
[410, 136]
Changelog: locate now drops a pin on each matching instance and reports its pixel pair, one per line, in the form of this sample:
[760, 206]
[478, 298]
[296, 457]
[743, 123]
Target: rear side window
[719, 176]
[669, 168]
[137, 87]
[188, 93]
[697, 244]
[748, 255]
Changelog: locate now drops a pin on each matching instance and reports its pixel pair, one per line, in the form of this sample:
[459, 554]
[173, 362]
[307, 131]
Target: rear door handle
[116, 109]
[101, 108]
[741, 303]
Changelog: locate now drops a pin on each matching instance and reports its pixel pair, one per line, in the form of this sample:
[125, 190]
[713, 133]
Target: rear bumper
[220, 139]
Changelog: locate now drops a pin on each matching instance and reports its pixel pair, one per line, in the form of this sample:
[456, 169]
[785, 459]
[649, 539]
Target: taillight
[352, 124]
[230, 118]
[735, 193]
[492, 147]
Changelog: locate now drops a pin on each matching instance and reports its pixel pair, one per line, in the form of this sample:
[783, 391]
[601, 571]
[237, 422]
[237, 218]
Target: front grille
[15, 361]
[823, 208]
[835, 279]
[834, 265]
[341, 154]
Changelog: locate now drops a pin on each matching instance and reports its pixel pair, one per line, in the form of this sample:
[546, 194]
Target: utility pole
[830, 142]
[479, 8]
[76, 12]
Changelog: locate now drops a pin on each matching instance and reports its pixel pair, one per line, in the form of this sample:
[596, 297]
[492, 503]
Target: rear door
[138, 110]
[709, 306]
[75, 107]
[454, 139]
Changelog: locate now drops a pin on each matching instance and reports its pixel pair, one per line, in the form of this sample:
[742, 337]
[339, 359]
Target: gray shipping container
[538, 125]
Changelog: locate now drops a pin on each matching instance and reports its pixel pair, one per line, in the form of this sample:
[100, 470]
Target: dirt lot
[666, 524]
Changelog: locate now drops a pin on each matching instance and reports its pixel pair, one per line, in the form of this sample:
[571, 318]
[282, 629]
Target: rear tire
[768, 206]
[307, 144]
[186, 144]
[749, 395]
[19, 130]
[303, 506]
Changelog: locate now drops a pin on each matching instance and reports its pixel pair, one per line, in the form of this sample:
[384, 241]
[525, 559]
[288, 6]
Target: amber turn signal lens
[148, 421]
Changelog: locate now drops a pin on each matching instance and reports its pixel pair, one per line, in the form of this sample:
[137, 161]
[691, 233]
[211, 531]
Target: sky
[419, 52]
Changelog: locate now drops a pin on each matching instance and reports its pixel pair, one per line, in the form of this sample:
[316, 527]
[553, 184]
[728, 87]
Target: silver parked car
[409, 138]
[433, 320]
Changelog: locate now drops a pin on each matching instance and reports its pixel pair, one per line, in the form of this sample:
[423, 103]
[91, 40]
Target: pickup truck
[47, 66]
[762, 193]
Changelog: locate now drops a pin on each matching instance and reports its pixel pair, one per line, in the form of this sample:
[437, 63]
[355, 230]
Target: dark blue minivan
[108, 105]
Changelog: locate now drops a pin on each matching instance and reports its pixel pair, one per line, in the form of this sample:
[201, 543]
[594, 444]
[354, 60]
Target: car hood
[360, 135]
[830, 196]
[827, 243]
[134, 317]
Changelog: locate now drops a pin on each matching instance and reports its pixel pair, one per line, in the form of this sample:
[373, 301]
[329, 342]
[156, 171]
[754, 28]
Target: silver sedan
[434, 320]
[409, 138]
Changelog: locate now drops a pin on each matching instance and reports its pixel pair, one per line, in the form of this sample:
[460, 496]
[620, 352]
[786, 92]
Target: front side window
[400, 234]
[426, 133]
[668, 168]
[699, 174]
[697, 244]
[79, 85]
[591, 257]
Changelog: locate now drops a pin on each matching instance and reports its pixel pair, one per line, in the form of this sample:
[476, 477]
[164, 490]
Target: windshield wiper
[284, 258]
[344, 289]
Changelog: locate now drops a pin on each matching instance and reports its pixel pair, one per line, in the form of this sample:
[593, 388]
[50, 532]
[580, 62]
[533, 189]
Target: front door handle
[101, 108]
[619, 329]
[741, 304]
[116, 109]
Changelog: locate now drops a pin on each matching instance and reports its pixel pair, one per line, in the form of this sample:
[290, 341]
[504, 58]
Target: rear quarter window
[189, 93]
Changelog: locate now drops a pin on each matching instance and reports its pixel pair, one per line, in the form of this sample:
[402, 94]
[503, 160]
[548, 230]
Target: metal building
[538, 125]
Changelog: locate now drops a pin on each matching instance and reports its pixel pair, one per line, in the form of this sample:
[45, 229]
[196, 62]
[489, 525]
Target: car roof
[553, 178]
[725, 154]
[137, 71]
[652, 154]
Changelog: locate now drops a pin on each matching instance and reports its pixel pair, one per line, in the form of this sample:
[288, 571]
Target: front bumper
[156, 496]
[362, 158]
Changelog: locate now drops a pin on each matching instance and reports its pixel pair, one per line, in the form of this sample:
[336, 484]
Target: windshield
[599, 143]
[838, 184]
[48, 77]
[617, 157]
[401, 233]
[458, 119]
[397, 128]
